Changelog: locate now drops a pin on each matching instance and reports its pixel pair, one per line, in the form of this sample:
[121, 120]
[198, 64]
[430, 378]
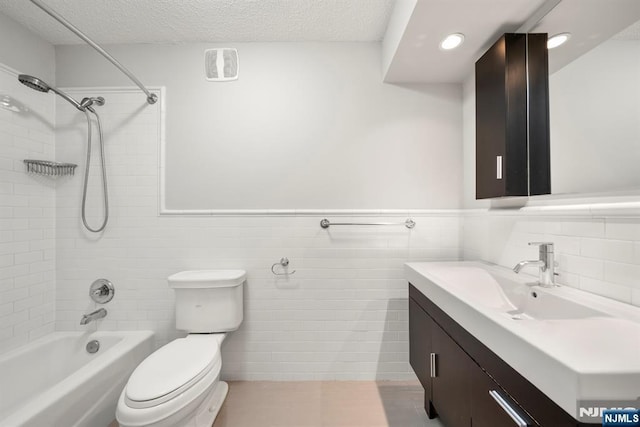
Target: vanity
[492, 348]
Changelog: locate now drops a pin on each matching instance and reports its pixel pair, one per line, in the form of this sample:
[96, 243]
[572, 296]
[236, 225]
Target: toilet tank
[208, 301]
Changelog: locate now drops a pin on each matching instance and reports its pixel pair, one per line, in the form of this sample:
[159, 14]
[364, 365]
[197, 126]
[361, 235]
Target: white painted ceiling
[167, 21]
[419, 58]
[590, 22]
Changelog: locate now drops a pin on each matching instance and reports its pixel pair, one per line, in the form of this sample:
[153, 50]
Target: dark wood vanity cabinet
[465, 382]
[485, 411]
[441, 366]
[451, 383]
[420, 349]
[512, 118]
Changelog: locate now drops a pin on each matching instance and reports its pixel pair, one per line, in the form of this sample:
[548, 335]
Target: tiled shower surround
[27, 217]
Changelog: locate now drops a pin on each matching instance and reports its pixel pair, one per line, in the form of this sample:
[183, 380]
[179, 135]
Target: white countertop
[595, 357]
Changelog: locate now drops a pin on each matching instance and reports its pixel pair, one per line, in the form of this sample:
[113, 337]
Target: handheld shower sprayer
[86, 106]
[37, 84]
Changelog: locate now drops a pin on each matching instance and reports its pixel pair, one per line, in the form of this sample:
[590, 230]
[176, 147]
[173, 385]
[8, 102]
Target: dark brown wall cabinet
[465, 383]
[512, 118]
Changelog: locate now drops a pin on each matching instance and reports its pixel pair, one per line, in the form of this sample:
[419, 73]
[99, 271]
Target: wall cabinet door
[451, 386]
[512, 118]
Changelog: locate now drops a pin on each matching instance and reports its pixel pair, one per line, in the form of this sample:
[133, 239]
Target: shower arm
[151, 97]
[68, 98]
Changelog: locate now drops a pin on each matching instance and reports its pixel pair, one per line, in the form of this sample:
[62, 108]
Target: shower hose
[86, 173]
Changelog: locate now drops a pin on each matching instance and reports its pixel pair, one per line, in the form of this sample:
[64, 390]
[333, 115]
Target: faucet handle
[101, 291]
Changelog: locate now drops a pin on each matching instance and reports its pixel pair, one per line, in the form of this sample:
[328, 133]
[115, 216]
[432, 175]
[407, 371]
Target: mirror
[594, 90]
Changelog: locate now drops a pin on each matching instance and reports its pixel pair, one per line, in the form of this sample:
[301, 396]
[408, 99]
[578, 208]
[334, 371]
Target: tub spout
[95, 315]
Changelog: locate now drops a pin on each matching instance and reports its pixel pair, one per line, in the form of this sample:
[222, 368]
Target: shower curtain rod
[151, 97]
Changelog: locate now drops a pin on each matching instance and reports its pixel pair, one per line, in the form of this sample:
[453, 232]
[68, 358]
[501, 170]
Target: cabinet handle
[432, 365]
[498, 167]
[506, 407]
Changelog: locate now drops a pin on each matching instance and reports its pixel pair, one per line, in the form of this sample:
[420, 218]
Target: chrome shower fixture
[86, 106]
[39, 85]
[88, 102]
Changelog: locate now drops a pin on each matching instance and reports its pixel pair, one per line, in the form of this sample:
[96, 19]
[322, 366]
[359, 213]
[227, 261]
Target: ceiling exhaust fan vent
[221, 65]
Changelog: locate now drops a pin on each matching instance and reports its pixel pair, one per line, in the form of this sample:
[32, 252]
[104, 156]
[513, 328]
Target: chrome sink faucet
[95, 315]
[546, 264]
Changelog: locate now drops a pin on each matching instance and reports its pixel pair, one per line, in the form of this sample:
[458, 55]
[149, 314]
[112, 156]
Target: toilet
[179, 384]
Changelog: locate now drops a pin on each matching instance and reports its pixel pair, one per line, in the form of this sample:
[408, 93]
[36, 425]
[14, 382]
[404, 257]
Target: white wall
[27, 214]
[306, 126]
[25, 51]
[343, 315]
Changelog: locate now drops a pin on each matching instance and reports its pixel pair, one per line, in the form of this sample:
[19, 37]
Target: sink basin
[572, 345]
[536, 305]
[518, 299]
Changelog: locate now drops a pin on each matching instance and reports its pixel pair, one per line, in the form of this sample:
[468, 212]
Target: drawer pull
[506, 407]
[432, 365]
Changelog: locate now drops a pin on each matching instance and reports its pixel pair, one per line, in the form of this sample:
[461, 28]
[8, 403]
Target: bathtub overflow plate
[93, 346]
[102, 291]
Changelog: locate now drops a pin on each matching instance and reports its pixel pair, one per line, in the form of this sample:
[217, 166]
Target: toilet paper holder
[284, 263]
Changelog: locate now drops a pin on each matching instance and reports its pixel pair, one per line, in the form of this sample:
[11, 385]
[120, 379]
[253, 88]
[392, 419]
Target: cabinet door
[512, 118]
[491, 406]
[420, 325]
[451, 386]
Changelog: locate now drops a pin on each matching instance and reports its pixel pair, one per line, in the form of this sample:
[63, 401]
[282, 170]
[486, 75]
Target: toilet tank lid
[207, 279]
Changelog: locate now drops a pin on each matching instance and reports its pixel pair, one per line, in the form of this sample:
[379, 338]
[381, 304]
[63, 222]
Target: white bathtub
[54, 381]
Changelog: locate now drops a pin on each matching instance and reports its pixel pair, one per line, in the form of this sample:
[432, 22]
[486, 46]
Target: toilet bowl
[179, 384]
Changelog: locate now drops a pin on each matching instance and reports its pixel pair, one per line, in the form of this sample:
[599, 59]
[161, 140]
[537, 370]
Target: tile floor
[324, 404]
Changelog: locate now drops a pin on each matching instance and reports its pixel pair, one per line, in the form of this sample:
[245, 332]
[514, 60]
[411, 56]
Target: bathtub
[54, 381]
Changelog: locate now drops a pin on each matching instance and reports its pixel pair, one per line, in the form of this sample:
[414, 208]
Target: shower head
[37, 84]
[34, 83]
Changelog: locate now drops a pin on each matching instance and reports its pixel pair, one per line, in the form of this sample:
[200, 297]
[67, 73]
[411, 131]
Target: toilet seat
[172, 370]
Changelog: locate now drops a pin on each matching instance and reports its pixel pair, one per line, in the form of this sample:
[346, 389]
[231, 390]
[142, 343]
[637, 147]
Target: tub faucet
[94, 315]
[546, 264]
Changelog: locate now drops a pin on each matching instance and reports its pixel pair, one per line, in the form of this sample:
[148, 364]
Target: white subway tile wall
[342, 315]
[597, 255]
[27, 214]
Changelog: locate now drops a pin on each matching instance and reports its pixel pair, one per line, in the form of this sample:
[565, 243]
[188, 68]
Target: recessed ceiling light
[557, 40]
[452, 41]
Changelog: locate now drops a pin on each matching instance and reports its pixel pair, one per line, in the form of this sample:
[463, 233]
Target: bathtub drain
[93, 346]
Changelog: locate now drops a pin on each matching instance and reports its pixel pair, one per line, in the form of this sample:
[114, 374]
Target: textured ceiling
[166, 21]
[630, 33]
